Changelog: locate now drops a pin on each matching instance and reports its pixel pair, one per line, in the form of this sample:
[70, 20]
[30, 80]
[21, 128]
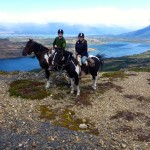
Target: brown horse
[42, 54]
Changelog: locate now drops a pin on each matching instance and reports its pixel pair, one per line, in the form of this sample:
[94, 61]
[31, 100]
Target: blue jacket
[81, 48]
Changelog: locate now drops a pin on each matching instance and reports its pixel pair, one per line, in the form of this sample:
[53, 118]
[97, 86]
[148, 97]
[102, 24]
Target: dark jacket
[61, 43]
[81, 48]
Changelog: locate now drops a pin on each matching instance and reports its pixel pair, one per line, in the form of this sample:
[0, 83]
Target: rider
[81, 51]
[59, 43]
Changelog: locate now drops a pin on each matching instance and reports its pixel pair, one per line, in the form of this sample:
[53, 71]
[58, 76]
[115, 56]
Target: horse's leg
[72, 85]
[47, 73]
[77, 84]
[67, 78]
[94, 81]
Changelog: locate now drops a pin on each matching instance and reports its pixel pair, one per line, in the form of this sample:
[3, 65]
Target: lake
[21, 64]
[118, 49]
[112, 49]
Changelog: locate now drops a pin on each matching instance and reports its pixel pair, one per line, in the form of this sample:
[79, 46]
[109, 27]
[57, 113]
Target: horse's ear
[31, 40]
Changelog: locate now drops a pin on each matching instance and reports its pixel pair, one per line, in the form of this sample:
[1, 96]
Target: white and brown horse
[42, 54]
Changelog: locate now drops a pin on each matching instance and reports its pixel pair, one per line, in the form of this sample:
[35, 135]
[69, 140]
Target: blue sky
[127, 13]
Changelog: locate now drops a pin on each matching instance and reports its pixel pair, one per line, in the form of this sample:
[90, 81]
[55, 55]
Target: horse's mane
[39, 44]
[67, 53]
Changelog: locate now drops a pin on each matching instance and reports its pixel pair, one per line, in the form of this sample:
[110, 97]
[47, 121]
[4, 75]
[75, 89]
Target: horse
[95, 64]
[66, 61]
[71, 65]
[42, 54]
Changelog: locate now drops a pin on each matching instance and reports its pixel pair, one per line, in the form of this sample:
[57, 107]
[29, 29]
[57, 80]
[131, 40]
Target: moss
[9, 73]
[36, 70]
[4, 73]
[115, 74]
[58, 96]
[66, 118]
[28, 89]
[104, 87]
[85, 97]
[46, 112]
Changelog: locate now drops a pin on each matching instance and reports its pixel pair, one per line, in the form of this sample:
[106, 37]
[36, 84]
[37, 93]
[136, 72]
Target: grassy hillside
[130, 62]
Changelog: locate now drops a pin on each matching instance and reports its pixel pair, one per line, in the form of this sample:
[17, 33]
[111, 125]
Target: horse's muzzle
[24, 53]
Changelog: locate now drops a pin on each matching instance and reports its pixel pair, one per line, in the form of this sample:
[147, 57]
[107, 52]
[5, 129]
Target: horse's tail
[101, 60]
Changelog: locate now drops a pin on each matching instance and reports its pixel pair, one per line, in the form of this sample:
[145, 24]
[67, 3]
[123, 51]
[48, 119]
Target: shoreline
[91, 50]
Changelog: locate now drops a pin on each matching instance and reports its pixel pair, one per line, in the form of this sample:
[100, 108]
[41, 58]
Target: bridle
[57, 65]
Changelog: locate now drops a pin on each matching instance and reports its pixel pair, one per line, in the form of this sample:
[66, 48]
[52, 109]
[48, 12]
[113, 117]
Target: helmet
[60, 31]
[81, 35]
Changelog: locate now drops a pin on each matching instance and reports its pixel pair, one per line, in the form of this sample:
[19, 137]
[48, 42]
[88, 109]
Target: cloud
[109, 16]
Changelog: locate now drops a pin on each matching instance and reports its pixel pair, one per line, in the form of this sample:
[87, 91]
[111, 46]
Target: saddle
[91, 62]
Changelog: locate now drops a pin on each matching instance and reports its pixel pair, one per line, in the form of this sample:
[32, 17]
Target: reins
[64, 65]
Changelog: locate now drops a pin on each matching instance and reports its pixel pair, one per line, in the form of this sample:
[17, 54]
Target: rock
[34, 144]
[123, 145]
[83, 126]
[83, 120]
[20, 145]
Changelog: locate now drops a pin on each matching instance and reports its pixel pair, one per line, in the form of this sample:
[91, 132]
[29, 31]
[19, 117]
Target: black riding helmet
[60, 31]
[81, 35]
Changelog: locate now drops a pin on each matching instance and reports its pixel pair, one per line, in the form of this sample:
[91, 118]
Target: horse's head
[57, 57]
[28, 48]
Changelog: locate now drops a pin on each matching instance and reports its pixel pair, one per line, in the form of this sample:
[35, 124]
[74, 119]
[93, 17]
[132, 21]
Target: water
[112, 49]
[19, 64]
[118, 49]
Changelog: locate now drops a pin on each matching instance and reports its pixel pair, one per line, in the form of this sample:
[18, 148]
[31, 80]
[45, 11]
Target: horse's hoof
[77, 95]
[47, 87]
[72, 92]
[93, 87]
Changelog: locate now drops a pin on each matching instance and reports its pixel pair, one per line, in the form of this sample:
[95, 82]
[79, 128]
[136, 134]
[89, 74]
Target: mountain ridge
[51, 28]
[141, 33]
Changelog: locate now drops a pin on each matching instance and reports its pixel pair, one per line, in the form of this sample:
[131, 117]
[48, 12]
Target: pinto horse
[64, 59]
[71, 65]
[95, 64]
[42, 54]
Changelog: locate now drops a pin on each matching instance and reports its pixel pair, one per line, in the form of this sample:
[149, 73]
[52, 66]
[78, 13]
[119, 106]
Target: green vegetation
[28, 89]
[115, 74]
[127, 62]
[7, 73]
[66, 118]
[36, 70]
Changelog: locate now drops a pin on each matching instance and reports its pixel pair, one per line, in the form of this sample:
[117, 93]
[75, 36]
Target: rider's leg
[84, 60]
[79, 59]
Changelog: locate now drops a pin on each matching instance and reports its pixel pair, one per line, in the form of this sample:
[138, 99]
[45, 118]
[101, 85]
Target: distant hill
[142, 33]
[51, 28]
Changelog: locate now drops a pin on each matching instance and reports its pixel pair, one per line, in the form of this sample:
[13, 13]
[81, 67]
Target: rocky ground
[118, 110]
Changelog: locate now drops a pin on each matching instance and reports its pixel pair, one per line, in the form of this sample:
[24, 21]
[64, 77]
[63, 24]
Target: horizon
[127, 14]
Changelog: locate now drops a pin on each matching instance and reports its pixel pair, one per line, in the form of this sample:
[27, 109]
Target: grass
[115, 74]
[28, 89]
[66, 118]
[134, 61]
[9, 73]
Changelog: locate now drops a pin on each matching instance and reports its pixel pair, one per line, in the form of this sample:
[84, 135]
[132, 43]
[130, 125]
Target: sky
[124, 13]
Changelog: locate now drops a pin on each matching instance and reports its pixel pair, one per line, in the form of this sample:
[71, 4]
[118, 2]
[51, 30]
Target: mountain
[141, 33]
[51, 28]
